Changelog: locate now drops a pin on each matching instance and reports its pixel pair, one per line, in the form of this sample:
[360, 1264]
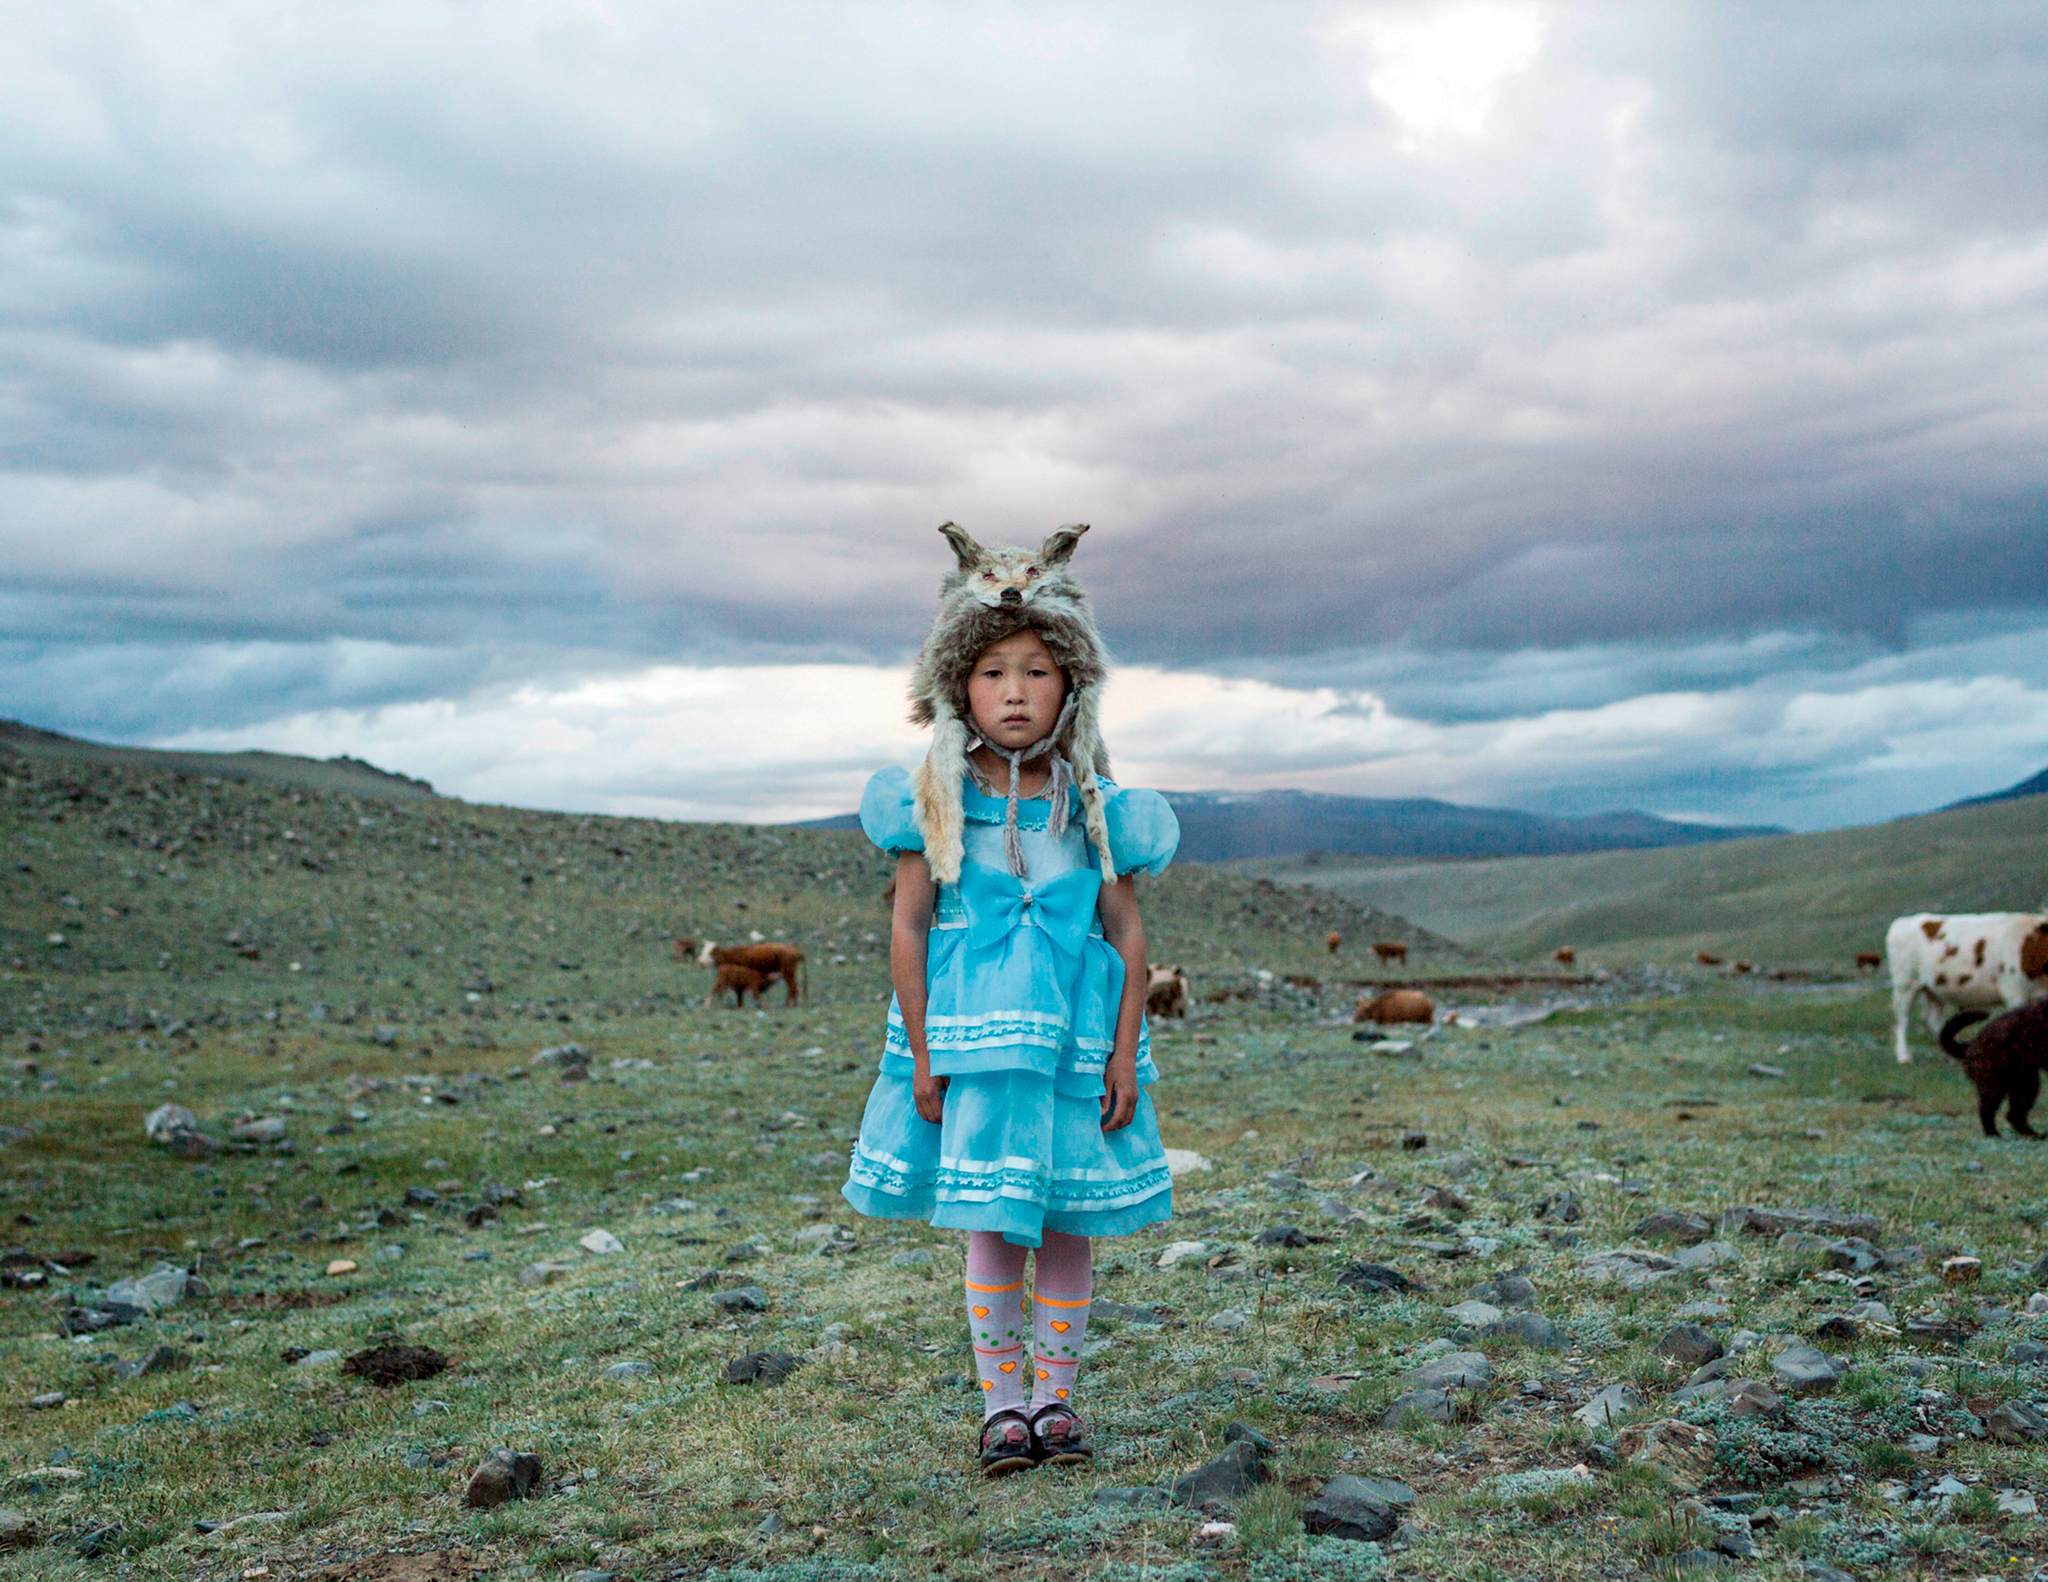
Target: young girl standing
[1011, 1100]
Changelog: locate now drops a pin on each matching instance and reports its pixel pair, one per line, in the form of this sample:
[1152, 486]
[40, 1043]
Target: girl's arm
[910, 930]
[1126, 936]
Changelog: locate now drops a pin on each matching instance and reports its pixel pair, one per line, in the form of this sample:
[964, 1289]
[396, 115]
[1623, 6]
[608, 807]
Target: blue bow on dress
[998, 903]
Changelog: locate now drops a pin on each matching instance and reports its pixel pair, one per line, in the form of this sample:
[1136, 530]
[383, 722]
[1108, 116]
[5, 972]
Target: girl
[1011, 1102]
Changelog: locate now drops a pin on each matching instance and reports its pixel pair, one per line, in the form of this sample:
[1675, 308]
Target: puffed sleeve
[1143, 833]
[886, 813]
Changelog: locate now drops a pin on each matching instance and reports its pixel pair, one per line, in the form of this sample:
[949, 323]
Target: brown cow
[1745, 966]
[1166, 991]
[1564, 954]
[1706, 958]
[1869, 960]
[772, 961]
[742, 981]
[1396, 1005]
[1335, 941]
[1388, 951]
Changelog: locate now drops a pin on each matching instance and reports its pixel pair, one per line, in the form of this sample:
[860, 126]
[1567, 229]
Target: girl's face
[1015, 691]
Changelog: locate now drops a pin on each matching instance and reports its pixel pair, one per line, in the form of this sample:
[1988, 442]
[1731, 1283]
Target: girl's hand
[1119, 1093]
[929, 1094]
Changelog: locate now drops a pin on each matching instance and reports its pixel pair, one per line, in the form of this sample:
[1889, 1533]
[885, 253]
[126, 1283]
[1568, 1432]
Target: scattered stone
[421, 1197]
[1699, 1560]
[1378, 1277]
[626, 1372]
[1281, 1236]
[1459, 1370]
[1414, 1141]
[1683, 1452]
[158, 1359]
[1364, 1510]
[761, 1367]
[1921, 1444]
[501, 1476]
[1432, 1406]
[1446, 1200]
[1802, 1241]
[741, 1299]
[1674, 1225]
[1687, 1345]
[1474, 1314]
[1610, 1404]
[1225, 1480]
[1713, 1368]
[1531, 1329]
[544, 1273]
[1703, 1312]
[317, 1359]
[915, 1258]
[770, 1525]
[2024, 1352]
[262, 1130]
[341, 1266]
[1454, 1167]
[1871, 1312]
[1505, 1290]
[1706, 1255]
[1949, 1488]
[1185, 1161]
[1633, 1268]
[1854, 1254]
[2016, 1423]
[1181, 1252]
[1961, 1270]
[1227, 1322]
[164, 1286]
[600, 1243]
[477, 1214]
[395, 1363]
[47, 1402]
[97, 1541]
[1754, 1221]
[563, 1056]
[17, 1530]
[1120, 1313]
[2017, 1502]
[477, 1255]
[1759, 1069]
[1801, 1370]
[166, 1121]
[1562, 1207]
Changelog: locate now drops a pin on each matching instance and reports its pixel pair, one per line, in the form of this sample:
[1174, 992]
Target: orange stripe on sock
[973, 1287]
[1060, 1301]
[997, 1351]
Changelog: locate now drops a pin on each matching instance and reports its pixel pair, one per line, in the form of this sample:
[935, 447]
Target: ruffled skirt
[1021, 1149]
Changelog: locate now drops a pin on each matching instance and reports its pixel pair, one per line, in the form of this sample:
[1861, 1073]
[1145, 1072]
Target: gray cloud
[505, 345]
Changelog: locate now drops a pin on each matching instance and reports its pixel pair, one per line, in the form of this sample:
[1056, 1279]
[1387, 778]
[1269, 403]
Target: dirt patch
[275, 1301]
[386, 1366]
[436, 1565]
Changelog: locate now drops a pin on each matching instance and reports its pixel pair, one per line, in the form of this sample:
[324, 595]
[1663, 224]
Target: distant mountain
[1216, 826]
[2033, 785]
[349, 776]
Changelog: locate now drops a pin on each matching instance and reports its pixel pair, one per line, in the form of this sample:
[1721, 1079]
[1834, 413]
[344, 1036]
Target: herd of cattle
[1952, 969]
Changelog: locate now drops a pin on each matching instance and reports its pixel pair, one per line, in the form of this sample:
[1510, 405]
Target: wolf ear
[1058, 549]
[968, 553]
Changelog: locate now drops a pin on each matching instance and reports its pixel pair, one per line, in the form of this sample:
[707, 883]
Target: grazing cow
[1388, 951]
[742, 981]
[1869, 960]
[1742, 966]
[2003, 1062]
[1970, 961]
[1335, 941]
[772, 961]
[1396, 1005]
[1564, 954]
[1706, 958]
[1166, 992]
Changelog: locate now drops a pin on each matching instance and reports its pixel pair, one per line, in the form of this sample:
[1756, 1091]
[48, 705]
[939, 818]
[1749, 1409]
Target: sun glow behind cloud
[1439, 69]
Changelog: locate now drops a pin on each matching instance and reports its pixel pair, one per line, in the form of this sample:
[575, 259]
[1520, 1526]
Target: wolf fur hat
[994, 593]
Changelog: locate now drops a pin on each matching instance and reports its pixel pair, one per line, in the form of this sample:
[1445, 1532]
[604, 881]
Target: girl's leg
[995, 1319]
[1061, 1287]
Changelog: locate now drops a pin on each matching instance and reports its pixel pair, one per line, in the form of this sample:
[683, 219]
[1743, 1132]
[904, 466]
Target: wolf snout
[1013, 596]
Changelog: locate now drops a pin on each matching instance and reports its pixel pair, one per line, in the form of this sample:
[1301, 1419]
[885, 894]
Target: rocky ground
[1683, 1274]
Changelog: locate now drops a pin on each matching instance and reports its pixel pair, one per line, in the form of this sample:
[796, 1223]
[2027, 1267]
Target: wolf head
[990, 594]
[1003, 575]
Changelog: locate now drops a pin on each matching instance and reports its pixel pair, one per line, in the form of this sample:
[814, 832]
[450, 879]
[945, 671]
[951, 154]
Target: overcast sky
[1564, 406]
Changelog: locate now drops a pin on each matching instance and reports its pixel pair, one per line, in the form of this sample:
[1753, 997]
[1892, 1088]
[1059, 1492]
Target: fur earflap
[992, 593]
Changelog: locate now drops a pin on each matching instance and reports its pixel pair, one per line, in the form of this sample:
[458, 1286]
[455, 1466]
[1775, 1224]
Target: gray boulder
[1505, 1290]
[760, 1367]
[1612, 1403]
[1459, 1370]
[501, 1476]
[1432, 1406]
[2016, 1423]
[741, 1299]
[1531, 1329]
[1854, 1254]
[1362, 1509]
[1674, 1225]
[164, 1286]
[1687, 1345]
[1802, 1370]
[1225, 1480]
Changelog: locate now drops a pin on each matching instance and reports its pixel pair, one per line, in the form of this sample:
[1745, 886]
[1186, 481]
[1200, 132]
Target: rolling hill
[343, 774]
[1221, 826]
[1785, 899]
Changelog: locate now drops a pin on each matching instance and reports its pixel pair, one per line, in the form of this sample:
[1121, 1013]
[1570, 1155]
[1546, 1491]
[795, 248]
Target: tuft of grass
[1269, 1519]
[1887, 1460]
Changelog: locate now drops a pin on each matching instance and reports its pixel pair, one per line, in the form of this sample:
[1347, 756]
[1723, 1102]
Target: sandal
[1007, 1445]
[1063, 1441]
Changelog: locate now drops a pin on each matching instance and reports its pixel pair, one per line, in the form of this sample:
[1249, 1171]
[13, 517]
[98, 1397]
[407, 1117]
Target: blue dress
[1021, 1013]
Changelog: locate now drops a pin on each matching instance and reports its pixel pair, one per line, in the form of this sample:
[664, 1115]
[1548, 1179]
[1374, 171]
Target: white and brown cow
[1970, 961]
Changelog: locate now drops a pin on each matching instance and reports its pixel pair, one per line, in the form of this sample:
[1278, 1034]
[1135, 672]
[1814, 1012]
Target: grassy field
[441, 946]
[1788, 900]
